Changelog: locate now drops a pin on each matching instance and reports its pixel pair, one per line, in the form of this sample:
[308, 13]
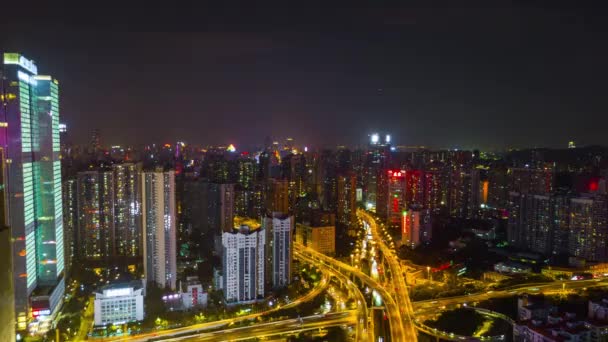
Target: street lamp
[428, 272]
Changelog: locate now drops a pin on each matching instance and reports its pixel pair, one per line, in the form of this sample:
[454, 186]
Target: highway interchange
[391, 288]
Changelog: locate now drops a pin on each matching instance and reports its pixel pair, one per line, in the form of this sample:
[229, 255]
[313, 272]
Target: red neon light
[594, 184]
[442, 267]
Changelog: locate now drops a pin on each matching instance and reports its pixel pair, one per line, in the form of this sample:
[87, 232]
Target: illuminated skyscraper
[127, 209]
[95, 196]
[394, 196]
[31, 118]
[434, 189]
[160, 247]
[279, 228]
[374, 175]
[347, 205]
[70, 219]
[108, 208]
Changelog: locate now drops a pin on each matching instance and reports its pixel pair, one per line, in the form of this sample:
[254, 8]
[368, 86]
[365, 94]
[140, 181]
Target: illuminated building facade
[119, 304]
[243, 278]
[95, 234]
[559, 224]
[294, 170]
[70, 220]
[31, 121]
[279, 228]
[434, 189]
[158, 209]
[416, 227]
[589, 227]
[458, 194]
[374, 175]
[127, 209]
[531, 180]
[414, 187]
[346, 211]
[531, 222]
[278, 195]
[396, 188]
[320, 238]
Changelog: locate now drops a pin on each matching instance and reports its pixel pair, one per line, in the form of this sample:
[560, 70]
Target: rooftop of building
[252, 223]
[134, 284]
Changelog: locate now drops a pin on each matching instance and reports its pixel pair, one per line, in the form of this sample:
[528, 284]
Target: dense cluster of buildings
[539, 320]
[155, 211]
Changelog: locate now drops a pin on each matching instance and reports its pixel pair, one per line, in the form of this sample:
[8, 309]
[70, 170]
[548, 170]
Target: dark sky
[517, 74]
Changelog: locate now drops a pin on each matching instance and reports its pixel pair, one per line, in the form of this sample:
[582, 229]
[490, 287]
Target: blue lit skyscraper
[30, 117]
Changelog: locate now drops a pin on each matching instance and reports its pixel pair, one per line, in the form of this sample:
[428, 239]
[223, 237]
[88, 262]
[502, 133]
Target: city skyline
[304, 173]
[220, 75]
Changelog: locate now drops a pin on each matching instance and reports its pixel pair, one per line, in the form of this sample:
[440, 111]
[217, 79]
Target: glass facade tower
[31, 114]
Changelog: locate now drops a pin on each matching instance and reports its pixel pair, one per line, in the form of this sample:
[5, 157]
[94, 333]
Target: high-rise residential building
[294, 170]
[159, 220]
[127, 209]
[394, 192]
[30, 115]
[108, 210]
[458, 194]
[434, 189]
[559, 223]
[560, 204]
[278, 196]
[589, 227]
[414, 188]
[95, 145]
[70, 219]
[531, 222]
[95, 202]
[346, 210]
[279, 228]
[219, 211]
[416, 226]
[374, 173]
[243, 265]
[531, 180]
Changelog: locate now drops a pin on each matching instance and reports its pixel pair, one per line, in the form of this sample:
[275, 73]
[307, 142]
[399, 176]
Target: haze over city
[469, 75]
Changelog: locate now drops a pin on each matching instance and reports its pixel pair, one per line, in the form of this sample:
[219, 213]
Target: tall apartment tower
[279, 228]
[95, 207]
[108, 205]
[127, 209]
[30, 119]
[346, 195]
[160, 246]
[243, 265]
[278, 197]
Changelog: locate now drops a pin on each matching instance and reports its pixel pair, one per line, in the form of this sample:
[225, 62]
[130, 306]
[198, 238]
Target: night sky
[519, 74]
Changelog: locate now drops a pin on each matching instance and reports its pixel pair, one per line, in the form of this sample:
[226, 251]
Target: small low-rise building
[511, 267]
[192, 294]
[119, 303]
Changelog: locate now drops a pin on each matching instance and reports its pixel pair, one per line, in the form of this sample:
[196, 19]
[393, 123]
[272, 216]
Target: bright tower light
[375, 138]
[388, 138]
